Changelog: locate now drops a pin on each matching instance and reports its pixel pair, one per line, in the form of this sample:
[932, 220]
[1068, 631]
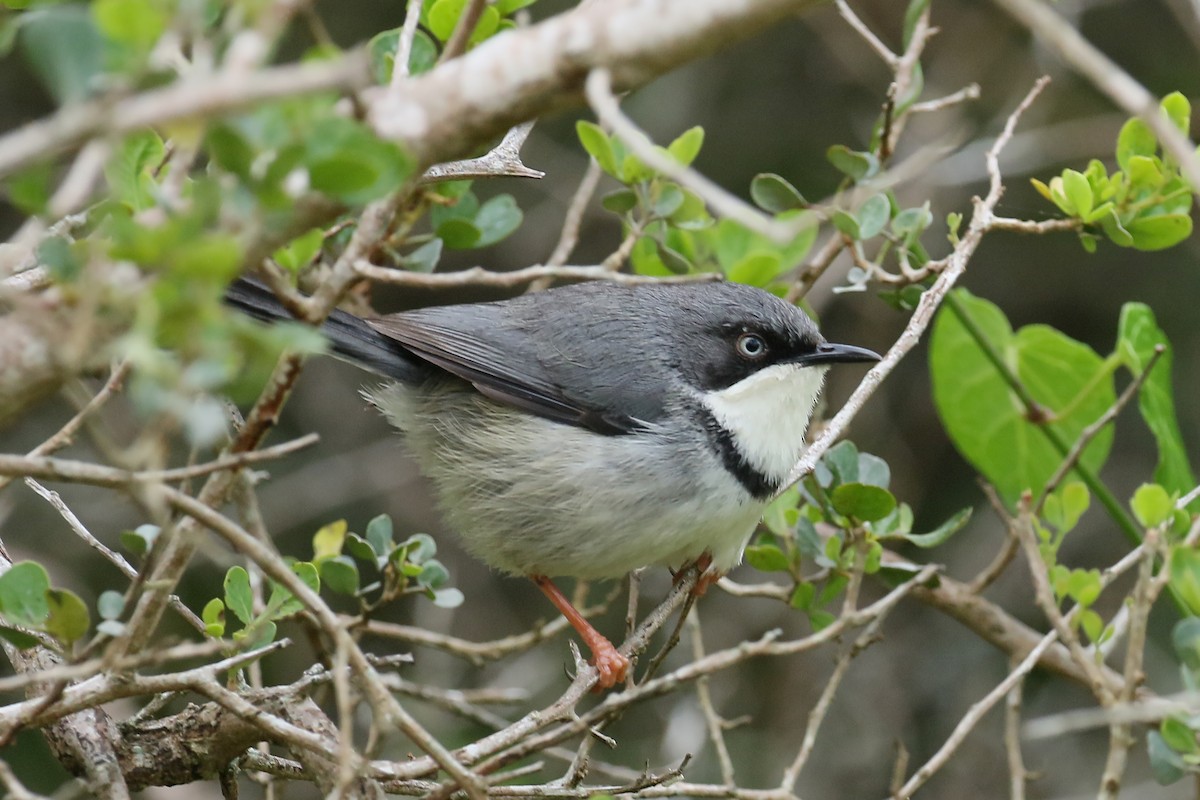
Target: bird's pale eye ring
[751, 346]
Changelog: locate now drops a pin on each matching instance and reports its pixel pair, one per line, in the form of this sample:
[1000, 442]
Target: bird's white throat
[767, 415]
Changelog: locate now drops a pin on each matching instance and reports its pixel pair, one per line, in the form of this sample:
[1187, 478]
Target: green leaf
[1152, 505]
[129, 170]
[775, 194]
[327, 542]
[1178, 110]
[1092, 624]
[379, 535]
[448, 597]
[506, 7]
[767, 558]
[110, 604]
[345, 174]
[863, 501]
[360, 548]
[69, 619]
[1084, 586]
[382, 52]
[756, 269]
[673, 260]
[687, 145]
[910, 223]
[803, 596]
[496, 219]
[873, 470]
[57, 254]
[847, 224]
[238, 597]
[137, 23]
[842, 461]
[458, 234]
[911, 15]
[622, 201]
[873, 215]
[1178, 736]
[340, 574]
[667, 199]
[64, 49]
[18, 639]
[1135, 139]
[1076, 187]
[445, 14]
[300, 252]
[348, 162]
[23, 594]
[985, 419]
[213, 617]
[282, 603]
[1074, 498]
[820, 619]
[1185, 638]
[29, 189]
[260, 634]
[858, 165]
[598, 145]
[230, 149]
[433, 574]
[419, 548]
[425, 258]
[942, 532]
[1167, 765]
[1159, 232]
[692, 213]
[1110, 223]
[1184, 568]
[1138, 335]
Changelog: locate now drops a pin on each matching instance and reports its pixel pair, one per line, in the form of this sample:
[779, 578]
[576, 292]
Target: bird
[595, 428]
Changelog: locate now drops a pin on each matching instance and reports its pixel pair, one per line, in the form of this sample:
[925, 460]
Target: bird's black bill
[830, 353]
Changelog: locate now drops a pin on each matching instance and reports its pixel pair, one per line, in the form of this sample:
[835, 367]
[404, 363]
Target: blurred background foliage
[772, 104]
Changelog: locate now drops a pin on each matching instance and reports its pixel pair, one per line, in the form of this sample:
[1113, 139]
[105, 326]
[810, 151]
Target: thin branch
[573, 219]
[972, 718]
[503, 160]
[478, 276]
[1017, 774]
[955, 266]
[882, 50]
[115, 558]
[66, 434]
[404, 43]
[1091, 431]
[602, 100]
[1107, 76]
[969, 92]
[456, 45]
[712, 720]
[198, 98]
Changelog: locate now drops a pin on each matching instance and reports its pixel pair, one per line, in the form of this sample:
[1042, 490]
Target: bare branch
[1106, 76]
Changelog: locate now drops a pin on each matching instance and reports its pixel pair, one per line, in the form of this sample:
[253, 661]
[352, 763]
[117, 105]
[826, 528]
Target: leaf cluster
[1146, 204]
[834, 522]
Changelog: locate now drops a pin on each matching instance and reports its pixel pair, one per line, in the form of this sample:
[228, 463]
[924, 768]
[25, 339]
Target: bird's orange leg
[612, 666]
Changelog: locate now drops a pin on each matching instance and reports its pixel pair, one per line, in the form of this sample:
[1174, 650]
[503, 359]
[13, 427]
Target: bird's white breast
[767, 415]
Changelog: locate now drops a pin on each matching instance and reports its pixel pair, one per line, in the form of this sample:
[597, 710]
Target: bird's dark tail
[350, 337]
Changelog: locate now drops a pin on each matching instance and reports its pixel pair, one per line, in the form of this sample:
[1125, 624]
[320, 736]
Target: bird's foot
[708, 576]
[612, 667]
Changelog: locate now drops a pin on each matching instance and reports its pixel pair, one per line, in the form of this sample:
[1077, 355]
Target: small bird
[596, 428]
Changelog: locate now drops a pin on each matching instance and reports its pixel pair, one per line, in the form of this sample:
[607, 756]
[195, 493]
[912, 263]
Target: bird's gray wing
[482, 345]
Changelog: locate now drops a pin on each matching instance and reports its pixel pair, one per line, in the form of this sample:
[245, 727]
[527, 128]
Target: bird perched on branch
[596, 428]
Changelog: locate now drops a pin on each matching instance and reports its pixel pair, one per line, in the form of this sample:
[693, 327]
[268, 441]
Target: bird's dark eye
[751, 345]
